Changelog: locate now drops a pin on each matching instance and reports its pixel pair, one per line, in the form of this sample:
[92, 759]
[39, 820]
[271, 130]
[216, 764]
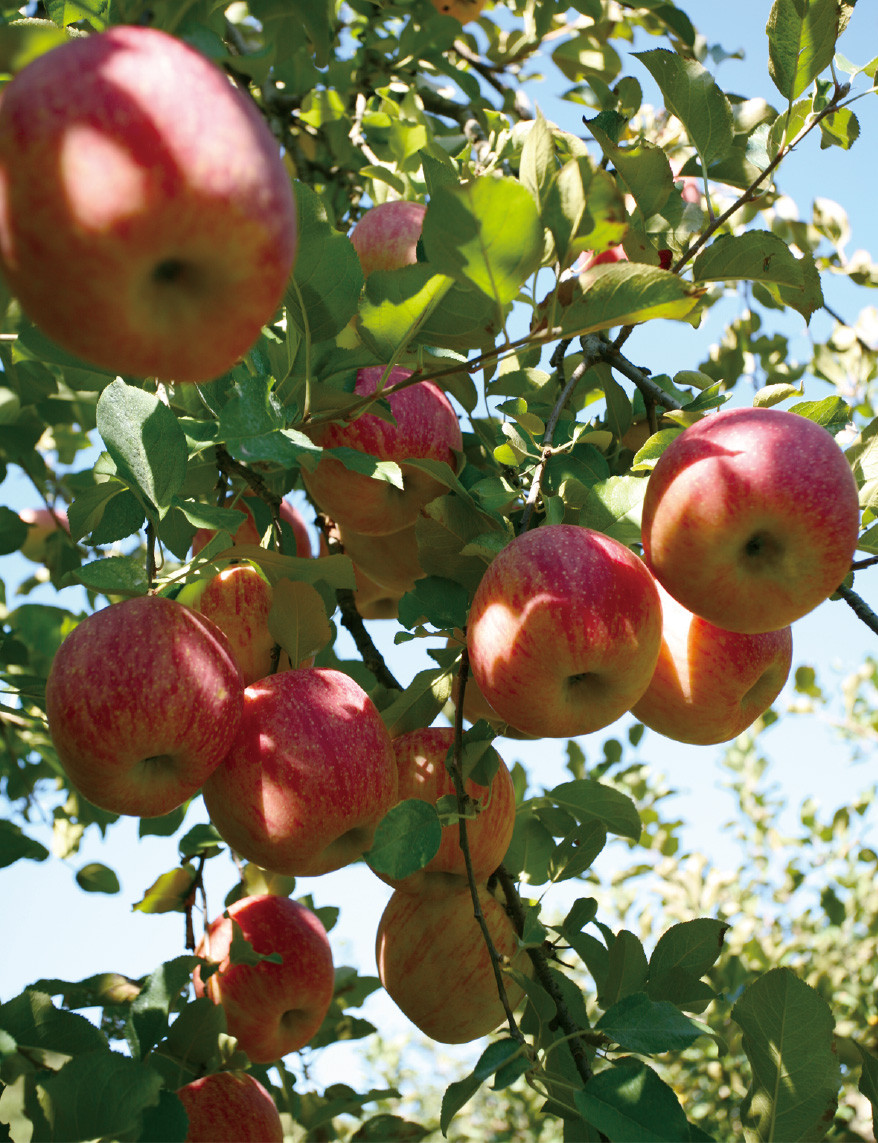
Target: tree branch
[859, 607]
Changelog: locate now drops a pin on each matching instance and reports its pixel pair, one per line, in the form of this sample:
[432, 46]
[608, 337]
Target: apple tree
[444, 379]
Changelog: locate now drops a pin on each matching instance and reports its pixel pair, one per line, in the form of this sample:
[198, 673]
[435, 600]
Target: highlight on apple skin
[230, 1107]
[271, 1008]
[141, 239]
[434, 963]
[564, 631]
[309, 776]
[751, 518]
[709, 684]
[144, 699]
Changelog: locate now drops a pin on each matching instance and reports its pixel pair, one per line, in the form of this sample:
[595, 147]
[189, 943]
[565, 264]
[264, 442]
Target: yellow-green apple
[564, 631]
[463, 10]
[309, 776]
[230, 1107]
[143, 699]
[248, 532]
[41, 522]
[386, 237]
[751, 518]
[426, 428]
[389, 561]
[147, 222]
[434, 963]
[239, 600]
[420, 759]
[271, 1008]
[709, 684]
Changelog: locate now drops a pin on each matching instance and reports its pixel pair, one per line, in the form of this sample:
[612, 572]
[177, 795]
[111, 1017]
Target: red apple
[230, 1107]
[309, 776]
[147, 222]
[386, 237]
[434, 963]
[144, 700]
[238, 600]
[426, 428]
[271, 1009]
[709, 684]
[42, 522]
[248, 533]
[564, 631]
[606, 257]
[751, 518]
[420, 759]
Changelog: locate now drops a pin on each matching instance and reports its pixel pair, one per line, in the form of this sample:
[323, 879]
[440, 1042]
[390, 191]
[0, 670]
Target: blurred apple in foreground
[271, 1009]
[751, 518]
[41, 522]
[434, 963]
[230, 1107]
[709, 684]
[249, 533]
[309, 776]
[144, 699]
[426, 428]
[420, 758]
[141, 238]
[564, 631]
[386, 237]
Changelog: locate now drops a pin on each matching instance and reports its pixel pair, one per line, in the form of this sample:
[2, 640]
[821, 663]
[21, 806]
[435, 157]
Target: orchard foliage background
[696, 1003]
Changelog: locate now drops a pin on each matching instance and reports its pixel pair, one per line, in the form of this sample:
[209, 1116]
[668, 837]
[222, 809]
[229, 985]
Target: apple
[230, 1107]
[463, 10]
[386, 237]
[239, 600]
[709, 684]
[434, 963]
[389, 561]
[41, 522]
[147, 222]
[588, 259]
[426, 428]
[309, 776]
[271, 1009]
[751, 518]
[475, 705]
[248, 533]
[564, 631]
[420, 759]
[144, 700]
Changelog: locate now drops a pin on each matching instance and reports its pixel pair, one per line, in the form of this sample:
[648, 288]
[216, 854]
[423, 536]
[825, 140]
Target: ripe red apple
[426, 428]
[434, 963]
[42, 522]
[751, 518]
[420, 759]
[709, 684]
[248, 533]
[309, 776]
[147, 222]
[386, 237]
[143, 699]
[230, 1107]
[564, 631]
[588, 259]
[271, 1009]
[238, 600]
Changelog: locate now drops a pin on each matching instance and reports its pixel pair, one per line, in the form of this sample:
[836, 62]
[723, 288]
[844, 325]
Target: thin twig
[859, 607]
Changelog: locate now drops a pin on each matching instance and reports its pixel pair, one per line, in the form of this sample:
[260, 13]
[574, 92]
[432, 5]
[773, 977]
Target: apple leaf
[407, 837]
[195, 1043]
[868, 1085]
[435, 600]
[420, 702]
[98, 1095]
[756, 256]
[336, 570]
[13, 531]
[613, 506]
[625, 293]
[576, 852]
[691, 93]
[298, 620]
[36, 1024]
[691, 945]
[585, 798]
[97, 878]
[638, 1024]
[485, 232]
[584, 210]
[788, 1032]
[15, 845]
[145, 441]
[23, 42]
[112, 575]
[643, 168]
[801, 43]
[397, 304]
[629, 1101]
[530, 852]
[169, 892]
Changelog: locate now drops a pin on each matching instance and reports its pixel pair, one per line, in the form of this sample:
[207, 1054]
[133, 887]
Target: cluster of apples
[750, 520]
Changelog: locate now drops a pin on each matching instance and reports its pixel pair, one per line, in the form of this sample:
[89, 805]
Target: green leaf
[585, 210]
[833, 413]
[644, 169]
[486, 232]
[112, 575]
[168, 893]
[756, 256]
[99, 1095]
[788, 1039]
[626, 968]
[420, 702]
[801, 43]
[407, 838]
[630, 1102]
[327, 278]
[15, 845]
[151, 1010]
[202, 840]
[868, 1085]
[625, 293]
[586, 799]
[97, 878]
[145, 441]
[576, 852]
[530, 851]
[298, 620]
[638, 1024]
[22, 43]
[693, 946]
[538, 162]
[691, 93]
[397, 304]
[252, 409]
[440, 602]
[194, 1043]
[34, 1022]
[13, 531]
